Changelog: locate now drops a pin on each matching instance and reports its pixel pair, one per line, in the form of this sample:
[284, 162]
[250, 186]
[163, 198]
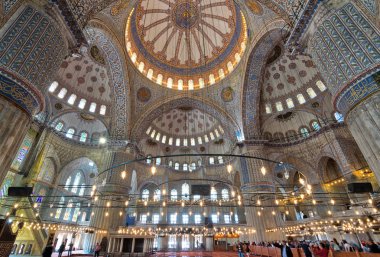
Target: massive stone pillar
[345, 45]
[112, 192]
[31, 50]
[257, 190]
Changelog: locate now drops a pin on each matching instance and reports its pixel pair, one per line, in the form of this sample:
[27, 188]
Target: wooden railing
[298, 252]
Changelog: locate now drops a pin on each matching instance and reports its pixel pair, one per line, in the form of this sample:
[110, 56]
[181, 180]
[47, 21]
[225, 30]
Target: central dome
[188, 44]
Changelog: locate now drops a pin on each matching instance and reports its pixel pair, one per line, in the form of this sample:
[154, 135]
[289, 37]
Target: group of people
[49, 249]
[311, 249]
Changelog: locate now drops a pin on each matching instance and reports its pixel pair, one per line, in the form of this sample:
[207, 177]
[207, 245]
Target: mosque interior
[187, 125]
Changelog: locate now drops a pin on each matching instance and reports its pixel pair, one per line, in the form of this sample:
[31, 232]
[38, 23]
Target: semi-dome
[185, 127]
[186, 45]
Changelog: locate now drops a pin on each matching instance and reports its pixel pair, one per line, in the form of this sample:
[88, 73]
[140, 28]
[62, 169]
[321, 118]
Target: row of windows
[185, 141]
[185, 193]
[73, 186]
[73, 97]
[185, 166]
[186, 218]
[300, 98]
[82, 137]
[70, 214]
[303, 131]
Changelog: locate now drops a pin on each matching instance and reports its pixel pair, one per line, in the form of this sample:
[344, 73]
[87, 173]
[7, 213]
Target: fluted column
[255, 183]
[345, 45]
[364, 124]
[14, 124]
[31, 50]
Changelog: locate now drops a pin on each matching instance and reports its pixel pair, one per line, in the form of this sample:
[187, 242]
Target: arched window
[213, 194]
[315, 125]
[92, 107]
[72, 99]
[82, 103]
[320, 85]
[304, 132]
[77, 179]
[53, 86]
[278, 136]
[70, 133]
[149, 159]
[301, 99]
[173, 195]
[145, 194]
[176, 166]
[59, 126]
[185, 191]
[178, 142]
[68, 182]
[338, 117]
[59, 210]
[268, 108]
[225, 195]
[82, 188]
[279, 107]
[220, 160]
[311, 92]
[185, 167]
[158, 161]
[289, 103]
[83, 136]
[193, 166]
[68, 210]
[62, 93]
[157, 195]
[211, 160]
[291, 135]
[103, 109]
[170, 163]
[76, 213]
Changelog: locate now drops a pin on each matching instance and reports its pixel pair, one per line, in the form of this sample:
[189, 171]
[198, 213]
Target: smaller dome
[185, 127]
[81, 127]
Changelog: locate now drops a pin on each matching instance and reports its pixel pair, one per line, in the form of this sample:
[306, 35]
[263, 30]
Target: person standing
[285, 250]
[48, 251]
[69, 252]
[306, 249]
[240, 250]
[97, 250]
[61, 249]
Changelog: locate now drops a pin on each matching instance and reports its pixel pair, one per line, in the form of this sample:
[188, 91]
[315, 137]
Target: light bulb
[107, 214]
[123, 174]
[153, 170]
[332, 201]
[145, 203]
[286, 175]
[233, 193]
[126, 203]
[370, 201]
[108, 204]
[277, 202]
[329, 212]
[302, 181]
[273, 213]
[259, 213]
[183, 204]
[120, 213]
[258, 202]
[164, 204]
[263, 170]
[164, 191]
[229, 168]
[102, 140]
[287, 212]
[314, 202]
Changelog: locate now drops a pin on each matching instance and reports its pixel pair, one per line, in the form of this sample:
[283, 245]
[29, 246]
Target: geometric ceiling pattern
[186, 45]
